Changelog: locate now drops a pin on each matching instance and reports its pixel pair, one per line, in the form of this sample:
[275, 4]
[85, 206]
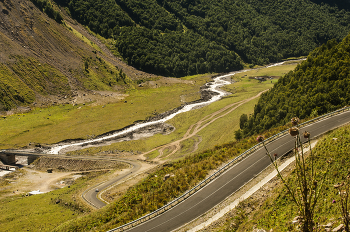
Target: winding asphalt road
[232, 180]
[90, 195]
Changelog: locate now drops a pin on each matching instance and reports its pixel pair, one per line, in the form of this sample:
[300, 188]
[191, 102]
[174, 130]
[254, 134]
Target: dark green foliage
[150, 15]
[243, 120]
[317, 86]
[102, 16]
[47, 7]
[174, 54]
[238, 134]
[176, 38]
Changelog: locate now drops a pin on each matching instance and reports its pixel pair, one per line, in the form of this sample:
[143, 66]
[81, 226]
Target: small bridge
[9, 157]
[8, 167]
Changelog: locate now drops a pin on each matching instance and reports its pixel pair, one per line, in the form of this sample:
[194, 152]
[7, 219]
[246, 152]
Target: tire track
[197, 127]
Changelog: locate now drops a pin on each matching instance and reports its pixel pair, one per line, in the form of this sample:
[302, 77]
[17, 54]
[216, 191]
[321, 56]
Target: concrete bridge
[9, 157]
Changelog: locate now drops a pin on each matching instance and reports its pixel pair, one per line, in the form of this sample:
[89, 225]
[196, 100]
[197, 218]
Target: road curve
[232, 180]
[90, 195]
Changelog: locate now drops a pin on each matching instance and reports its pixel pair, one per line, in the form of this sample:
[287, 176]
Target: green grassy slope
[13, 90]
[41, 58]
[278, 211]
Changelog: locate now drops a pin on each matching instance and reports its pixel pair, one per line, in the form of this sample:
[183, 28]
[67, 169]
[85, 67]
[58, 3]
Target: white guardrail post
[203, 183]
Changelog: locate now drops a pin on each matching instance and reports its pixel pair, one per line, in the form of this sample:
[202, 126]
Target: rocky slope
[44, 62]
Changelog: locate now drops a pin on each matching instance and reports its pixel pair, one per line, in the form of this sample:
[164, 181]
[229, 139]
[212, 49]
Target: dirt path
[33, 180]
[112, 192]
[195, 128]
[45, 182]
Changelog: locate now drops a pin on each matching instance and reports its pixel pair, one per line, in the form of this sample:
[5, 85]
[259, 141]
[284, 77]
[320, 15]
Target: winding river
[213, 86]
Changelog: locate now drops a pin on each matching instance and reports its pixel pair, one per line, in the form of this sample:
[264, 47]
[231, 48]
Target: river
[213, 86]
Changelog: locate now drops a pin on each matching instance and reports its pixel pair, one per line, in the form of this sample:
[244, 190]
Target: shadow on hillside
[341, 4]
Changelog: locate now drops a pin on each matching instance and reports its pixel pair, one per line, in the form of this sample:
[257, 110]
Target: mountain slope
[317, 86]
[44, 61]
[176, 38]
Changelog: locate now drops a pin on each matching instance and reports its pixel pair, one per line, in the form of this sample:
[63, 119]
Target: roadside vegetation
[279, 211]
[153, 192]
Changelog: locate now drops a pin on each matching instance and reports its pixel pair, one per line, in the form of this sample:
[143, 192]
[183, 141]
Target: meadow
[53, 124]
[57, 123]
[44, 212]
[241, 89]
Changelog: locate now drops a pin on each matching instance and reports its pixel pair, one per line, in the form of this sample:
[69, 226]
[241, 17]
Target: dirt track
[115, 192]
[32, 180]
[195, 128]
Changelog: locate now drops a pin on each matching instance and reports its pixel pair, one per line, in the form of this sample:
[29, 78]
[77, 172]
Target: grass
[244, 88]
[83, 38]
[13, 89]
[56, 123]
[45, 211]
[152, 192]
[278, 211]
[272, 71]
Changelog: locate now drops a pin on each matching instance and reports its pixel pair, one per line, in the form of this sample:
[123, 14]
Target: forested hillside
[317, 86]
[177, 38]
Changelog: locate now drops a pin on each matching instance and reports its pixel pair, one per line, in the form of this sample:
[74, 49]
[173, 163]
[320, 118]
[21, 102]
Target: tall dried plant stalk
[343, 190]
[306, 192]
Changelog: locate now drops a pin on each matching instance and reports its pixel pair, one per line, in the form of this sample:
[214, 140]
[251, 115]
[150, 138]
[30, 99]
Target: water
[212, 86]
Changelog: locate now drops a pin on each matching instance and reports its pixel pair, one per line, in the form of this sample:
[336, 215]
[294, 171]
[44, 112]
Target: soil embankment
[76, 165]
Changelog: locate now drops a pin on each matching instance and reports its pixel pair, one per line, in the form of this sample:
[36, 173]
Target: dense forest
[318, 85]
[177, 38]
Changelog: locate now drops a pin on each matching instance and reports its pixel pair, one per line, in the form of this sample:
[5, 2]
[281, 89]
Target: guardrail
[218, 173]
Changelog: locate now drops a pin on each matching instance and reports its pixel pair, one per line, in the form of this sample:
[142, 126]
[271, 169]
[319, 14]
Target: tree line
[318, 85]
[246, 31]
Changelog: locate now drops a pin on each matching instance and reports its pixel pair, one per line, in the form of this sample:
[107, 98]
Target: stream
[212, 87]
